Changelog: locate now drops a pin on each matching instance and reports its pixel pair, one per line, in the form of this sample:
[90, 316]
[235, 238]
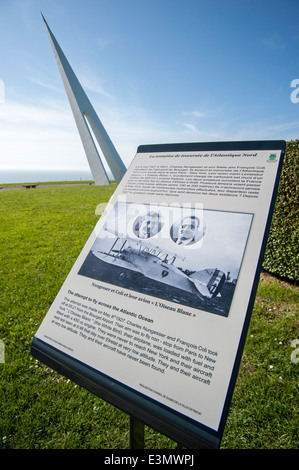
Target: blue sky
[156, 71]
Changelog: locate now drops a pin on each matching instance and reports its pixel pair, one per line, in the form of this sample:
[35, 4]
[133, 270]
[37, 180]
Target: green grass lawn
[42, 232]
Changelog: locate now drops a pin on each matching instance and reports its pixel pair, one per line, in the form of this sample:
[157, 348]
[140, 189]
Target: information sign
[154, 313]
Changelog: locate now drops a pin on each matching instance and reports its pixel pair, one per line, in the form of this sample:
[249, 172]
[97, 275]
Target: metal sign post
[136, 434]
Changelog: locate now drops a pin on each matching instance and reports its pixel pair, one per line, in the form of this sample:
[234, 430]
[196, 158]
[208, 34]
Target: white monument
[84, 112]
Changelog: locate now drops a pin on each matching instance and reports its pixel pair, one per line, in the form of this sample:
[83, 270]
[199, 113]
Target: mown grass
[42, 232]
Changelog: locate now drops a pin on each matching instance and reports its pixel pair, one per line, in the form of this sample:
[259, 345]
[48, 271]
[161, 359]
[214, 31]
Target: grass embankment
[42, 232]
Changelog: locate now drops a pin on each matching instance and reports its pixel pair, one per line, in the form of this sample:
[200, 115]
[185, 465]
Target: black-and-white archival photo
[182, 254]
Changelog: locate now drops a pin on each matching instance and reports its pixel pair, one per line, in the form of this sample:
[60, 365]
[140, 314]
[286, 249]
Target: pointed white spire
[83, 111]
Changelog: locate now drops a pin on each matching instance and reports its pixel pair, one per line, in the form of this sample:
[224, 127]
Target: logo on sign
[272, 157]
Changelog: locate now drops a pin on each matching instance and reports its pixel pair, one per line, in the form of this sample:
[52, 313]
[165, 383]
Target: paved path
[37, 185]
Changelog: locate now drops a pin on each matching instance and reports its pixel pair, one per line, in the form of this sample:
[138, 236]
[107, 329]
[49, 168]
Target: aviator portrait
[147, 225]
[187, 230]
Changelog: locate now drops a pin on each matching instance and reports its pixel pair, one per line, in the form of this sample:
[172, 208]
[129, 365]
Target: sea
[42, 176]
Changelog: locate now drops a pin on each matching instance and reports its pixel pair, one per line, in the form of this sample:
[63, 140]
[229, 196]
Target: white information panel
[159, 299]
